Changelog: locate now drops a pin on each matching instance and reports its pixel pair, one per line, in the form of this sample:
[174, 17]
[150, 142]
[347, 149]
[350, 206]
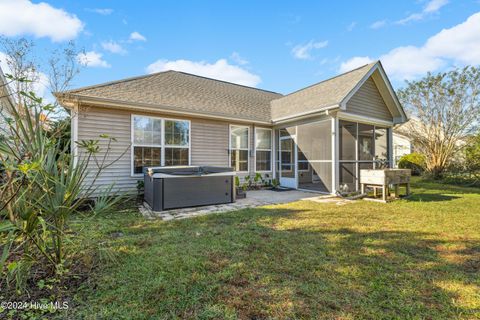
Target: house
[317, 138]
[6, 103]
[401, 145]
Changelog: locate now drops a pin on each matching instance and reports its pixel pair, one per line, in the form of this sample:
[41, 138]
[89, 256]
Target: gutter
[303, 115]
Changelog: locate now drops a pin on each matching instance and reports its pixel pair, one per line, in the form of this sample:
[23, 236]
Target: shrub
[41, 188]
[414, 161]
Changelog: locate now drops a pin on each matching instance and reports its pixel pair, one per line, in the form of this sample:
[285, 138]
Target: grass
[417, 258]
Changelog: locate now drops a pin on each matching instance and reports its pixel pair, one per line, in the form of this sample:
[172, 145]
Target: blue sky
[275, 45]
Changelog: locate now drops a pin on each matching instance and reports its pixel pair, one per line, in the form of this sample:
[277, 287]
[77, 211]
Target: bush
[414, 161]
[41, 189]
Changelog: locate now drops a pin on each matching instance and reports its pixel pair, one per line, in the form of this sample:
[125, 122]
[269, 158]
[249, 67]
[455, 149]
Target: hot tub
[188, 186]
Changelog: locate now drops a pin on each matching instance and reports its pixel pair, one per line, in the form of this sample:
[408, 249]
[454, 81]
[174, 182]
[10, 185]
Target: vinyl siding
[209, 144]
[367, 101]
[92, 122]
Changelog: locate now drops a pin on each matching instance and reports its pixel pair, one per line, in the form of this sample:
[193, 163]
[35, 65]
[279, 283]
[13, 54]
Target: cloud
[238, 59]
[354, 63]
[431, 7]
[135, 36]
[92, 59]
[351, 26]
[113, 47]
[221, 70]
[103, 12]
[378, 24]
[303, 51]
[434, 5]
[459, 45]
[19, 17]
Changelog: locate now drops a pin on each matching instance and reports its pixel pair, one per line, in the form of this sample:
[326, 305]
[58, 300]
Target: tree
[472, 156]
[21, 65]
[31, 74]
[444, 109]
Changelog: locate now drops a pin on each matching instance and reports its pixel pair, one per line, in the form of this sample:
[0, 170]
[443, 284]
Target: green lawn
[417, 258]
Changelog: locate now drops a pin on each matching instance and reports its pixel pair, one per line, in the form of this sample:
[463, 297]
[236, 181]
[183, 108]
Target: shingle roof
[192, 93]
[321, 95]
[187, 92]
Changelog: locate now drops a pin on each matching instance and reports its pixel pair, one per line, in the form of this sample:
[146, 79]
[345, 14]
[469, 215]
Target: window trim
[162, 146]
[230, 146]
[255, 150]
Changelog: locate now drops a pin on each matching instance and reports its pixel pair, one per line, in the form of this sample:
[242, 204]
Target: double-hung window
[263, 149]
[239, 147]
[159, 142]
[177, 137]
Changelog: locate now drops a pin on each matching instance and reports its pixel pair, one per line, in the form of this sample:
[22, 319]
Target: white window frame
[230, 146]
[255, 150]
[162, 146]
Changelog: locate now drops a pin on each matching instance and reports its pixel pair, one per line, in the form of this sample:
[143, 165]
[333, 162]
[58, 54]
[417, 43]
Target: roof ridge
[328, 79]
[157, 73]
[227, 82]
[103, 84]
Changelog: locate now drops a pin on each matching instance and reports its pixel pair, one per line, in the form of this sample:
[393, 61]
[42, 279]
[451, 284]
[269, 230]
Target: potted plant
[258, 180]
[274, 183]
[240, 192]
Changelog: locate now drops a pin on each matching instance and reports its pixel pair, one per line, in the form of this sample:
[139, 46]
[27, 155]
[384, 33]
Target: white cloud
[136, 36]
[351, 26]
[304, 51]
[103, 12]
[378, 24]
[409, 62]
[431, 7]
[354, 63]
[238, 59]
[19, 17]
[458, 45]
[113, 47]
[434, 5]
[92, 59]
[221, 70]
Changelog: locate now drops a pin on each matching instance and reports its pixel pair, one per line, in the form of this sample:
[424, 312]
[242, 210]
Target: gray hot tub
[188, 186]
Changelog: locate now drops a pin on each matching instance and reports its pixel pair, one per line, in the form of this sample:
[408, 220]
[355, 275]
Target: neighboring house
[6, 102]
[317, 138]
[401, 146]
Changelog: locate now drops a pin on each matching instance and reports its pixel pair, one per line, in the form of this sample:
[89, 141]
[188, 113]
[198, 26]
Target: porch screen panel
[314, 142]
[348, 176]
[362, 146]
[381, 148]
[365, 142]
[348, 140]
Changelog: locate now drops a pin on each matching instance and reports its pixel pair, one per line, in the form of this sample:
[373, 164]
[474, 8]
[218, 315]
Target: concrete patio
[254, 199]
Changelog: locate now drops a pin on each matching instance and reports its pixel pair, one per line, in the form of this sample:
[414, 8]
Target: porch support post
[74, 133]
[335, 155]
[390, 146]
[274, 155]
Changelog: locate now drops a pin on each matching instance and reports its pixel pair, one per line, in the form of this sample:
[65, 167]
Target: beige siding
[209, 144]
[92, 122]
[367, 101]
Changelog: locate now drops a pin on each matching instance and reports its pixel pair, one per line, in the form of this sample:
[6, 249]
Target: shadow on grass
[431, 197]
[257, 264]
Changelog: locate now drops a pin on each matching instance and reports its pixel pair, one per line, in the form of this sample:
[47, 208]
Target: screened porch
[326, 155]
